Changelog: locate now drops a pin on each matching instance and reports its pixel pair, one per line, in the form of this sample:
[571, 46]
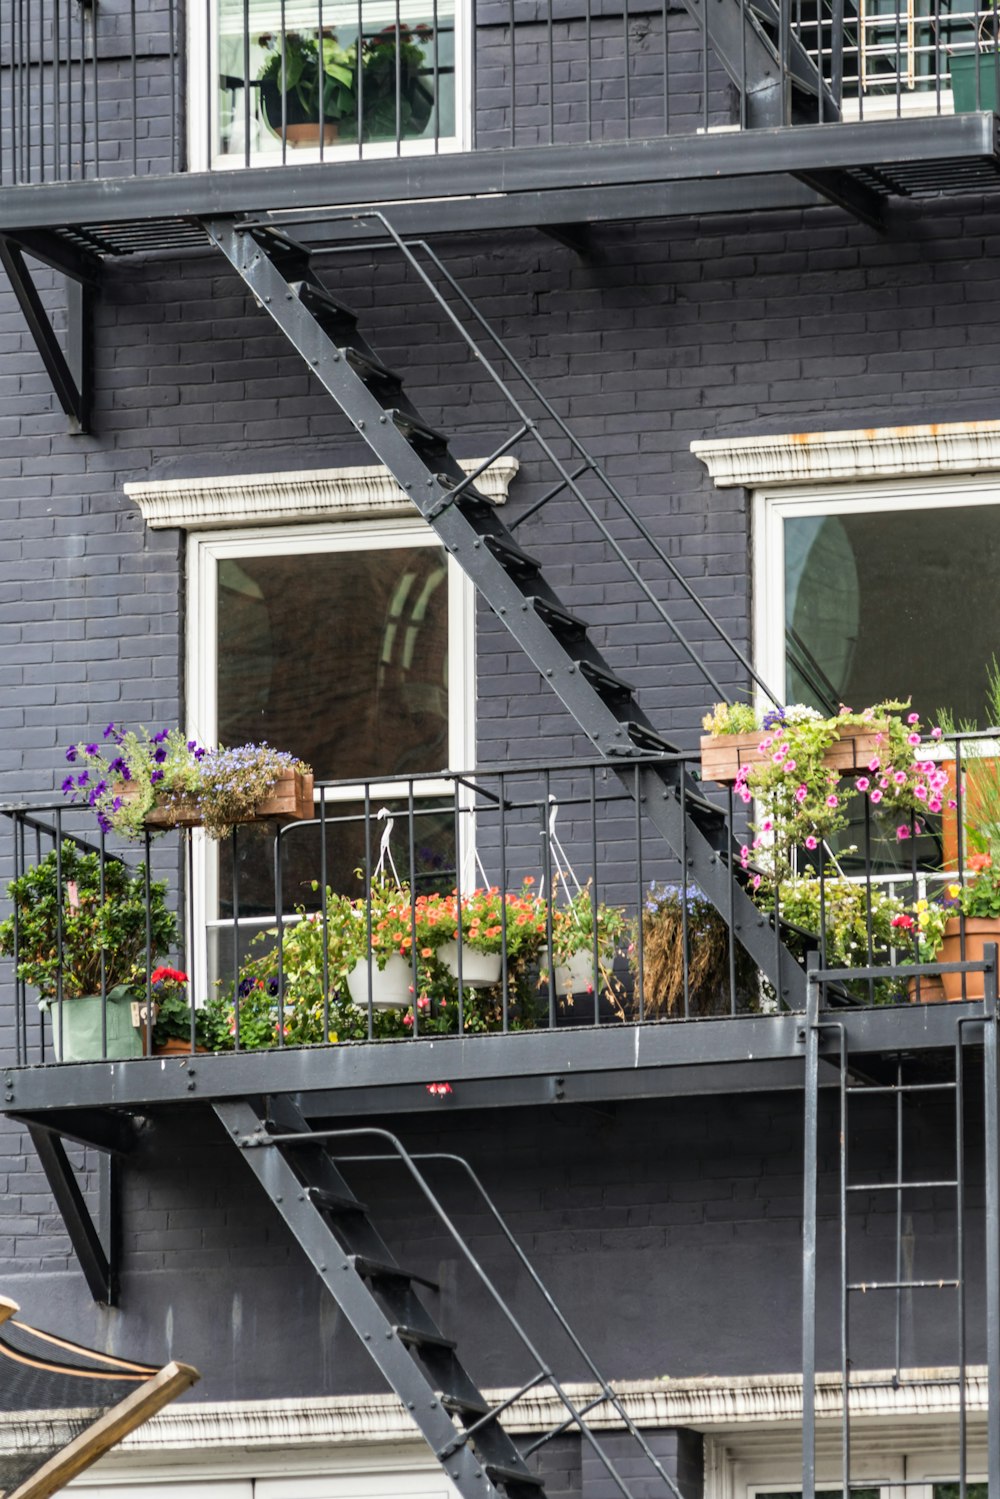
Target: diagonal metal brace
[71, 385]
[97, 1254]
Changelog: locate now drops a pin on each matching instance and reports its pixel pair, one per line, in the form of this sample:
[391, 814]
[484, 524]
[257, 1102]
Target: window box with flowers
[137, 782]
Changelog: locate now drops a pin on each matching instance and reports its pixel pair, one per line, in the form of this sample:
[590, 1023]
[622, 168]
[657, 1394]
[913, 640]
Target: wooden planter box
[724, 755]
[291, 800]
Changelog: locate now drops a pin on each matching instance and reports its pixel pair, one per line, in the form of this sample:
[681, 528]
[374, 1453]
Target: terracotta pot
[724, 755]
[174, 1046]
[988, 768]
[297, 129]
[930, 991]
[979, 931]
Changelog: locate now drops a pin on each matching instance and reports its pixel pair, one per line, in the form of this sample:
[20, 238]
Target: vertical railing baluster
[359, 59]
[685, 931]
[235, 881]
[411, 851]
[134, 40]
[83, 92]
[175, 71]
[56, 90]
[246, 84]
[435, 75]
[552, 74]
[321, 81]
[324, 881]
[597, 955]
[96, 89]
[368, 902]
[399, 82]
[513, 74]
[627, 66]
[504, 975]
[279, 903]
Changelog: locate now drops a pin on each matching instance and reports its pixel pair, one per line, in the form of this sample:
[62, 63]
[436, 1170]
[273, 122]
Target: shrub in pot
[78, 920]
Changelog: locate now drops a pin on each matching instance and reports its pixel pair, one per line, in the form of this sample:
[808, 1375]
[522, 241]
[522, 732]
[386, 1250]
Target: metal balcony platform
[759, 1053]
[873, 162]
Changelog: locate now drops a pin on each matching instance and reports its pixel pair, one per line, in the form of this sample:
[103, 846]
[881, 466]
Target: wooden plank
[107, 1432]
[291, 800]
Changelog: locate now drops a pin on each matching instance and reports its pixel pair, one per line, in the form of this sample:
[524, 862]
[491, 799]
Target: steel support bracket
[95, 1245]
[69, 371]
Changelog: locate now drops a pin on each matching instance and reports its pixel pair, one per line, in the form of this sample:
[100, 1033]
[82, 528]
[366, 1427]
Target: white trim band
[874, 452]
[700, 1403]
[292, 496]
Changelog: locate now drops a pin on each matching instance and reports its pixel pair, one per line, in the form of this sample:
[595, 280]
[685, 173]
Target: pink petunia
[778, 757]
[801, 794]
[863, 783]
[902, 831]
[920, 790]
[952, 804]
[874, 763]
[833, 801]
[756, 882]
[935, 733]
[765, 744]
[913, 718]
[812, 842]
[900, 777]
[876, 796]
[934, 805]
[913, 738]
[767, 825]
[789, 764]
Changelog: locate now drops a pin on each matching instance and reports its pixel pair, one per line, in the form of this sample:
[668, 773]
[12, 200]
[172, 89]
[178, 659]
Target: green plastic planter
[964, 71]
[79, 1036]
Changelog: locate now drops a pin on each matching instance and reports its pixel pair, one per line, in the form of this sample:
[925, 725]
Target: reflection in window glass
[954, 1490]
[341, 657]
[292, 76]
[872, 609]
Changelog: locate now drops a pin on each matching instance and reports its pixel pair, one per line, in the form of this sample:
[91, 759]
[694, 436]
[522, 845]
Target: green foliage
[322, 77]
[93, 923]
[574, 921]
[731, 718]
[838, 909]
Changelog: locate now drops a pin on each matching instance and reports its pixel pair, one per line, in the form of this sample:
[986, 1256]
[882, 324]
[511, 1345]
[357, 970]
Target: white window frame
[773, 506]
[205, 550]
[202, 111]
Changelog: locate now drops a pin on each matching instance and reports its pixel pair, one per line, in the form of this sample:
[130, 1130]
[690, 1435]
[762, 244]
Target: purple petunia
[71, 753]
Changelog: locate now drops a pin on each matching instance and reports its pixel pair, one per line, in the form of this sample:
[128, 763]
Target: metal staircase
[282, 275]
[380, 1300]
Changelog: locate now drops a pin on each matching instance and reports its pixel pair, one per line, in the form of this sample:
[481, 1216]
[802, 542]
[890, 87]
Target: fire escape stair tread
[376, 1295]
[509, 578]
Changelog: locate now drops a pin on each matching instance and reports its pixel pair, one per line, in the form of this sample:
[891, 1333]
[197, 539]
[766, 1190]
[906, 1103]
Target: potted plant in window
[78, 921]
[307, 86]
[311, 89]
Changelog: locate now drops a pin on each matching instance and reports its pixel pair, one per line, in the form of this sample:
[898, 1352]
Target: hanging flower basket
[723, 756]
[391, 986]
[478, 968]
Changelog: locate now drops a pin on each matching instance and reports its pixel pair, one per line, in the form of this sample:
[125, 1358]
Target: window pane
[341, 657]
[872, 609]
[273, 96]
[953, 1490]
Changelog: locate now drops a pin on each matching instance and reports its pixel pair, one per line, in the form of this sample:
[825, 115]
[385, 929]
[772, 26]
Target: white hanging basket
[391, 986]
[576, 975]
[478, 968]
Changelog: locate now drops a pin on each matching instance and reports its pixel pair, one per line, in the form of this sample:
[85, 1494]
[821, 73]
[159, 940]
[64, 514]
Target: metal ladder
[904, 1088]
[282, 275]
[379, 1298]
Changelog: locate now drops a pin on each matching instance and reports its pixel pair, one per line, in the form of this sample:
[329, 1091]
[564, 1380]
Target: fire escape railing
[98, 89]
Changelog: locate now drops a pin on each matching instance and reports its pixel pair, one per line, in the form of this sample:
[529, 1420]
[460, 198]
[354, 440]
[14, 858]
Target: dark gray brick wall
[680, 1258]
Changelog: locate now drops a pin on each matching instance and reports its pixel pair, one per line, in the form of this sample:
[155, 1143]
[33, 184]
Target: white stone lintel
[292, 497]
[868, 452]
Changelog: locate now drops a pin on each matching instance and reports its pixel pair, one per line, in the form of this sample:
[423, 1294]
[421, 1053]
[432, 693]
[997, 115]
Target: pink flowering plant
[803, 801]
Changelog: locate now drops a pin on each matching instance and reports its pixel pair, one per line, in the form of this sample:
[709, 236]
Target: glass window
[352, 648]
[327, 76]
[879, 602]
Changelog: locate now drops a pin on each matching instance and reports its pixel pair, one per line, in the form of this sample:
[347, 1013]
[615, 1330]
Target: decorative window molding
[730, 1403]
[293, 497]
[875, 452]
